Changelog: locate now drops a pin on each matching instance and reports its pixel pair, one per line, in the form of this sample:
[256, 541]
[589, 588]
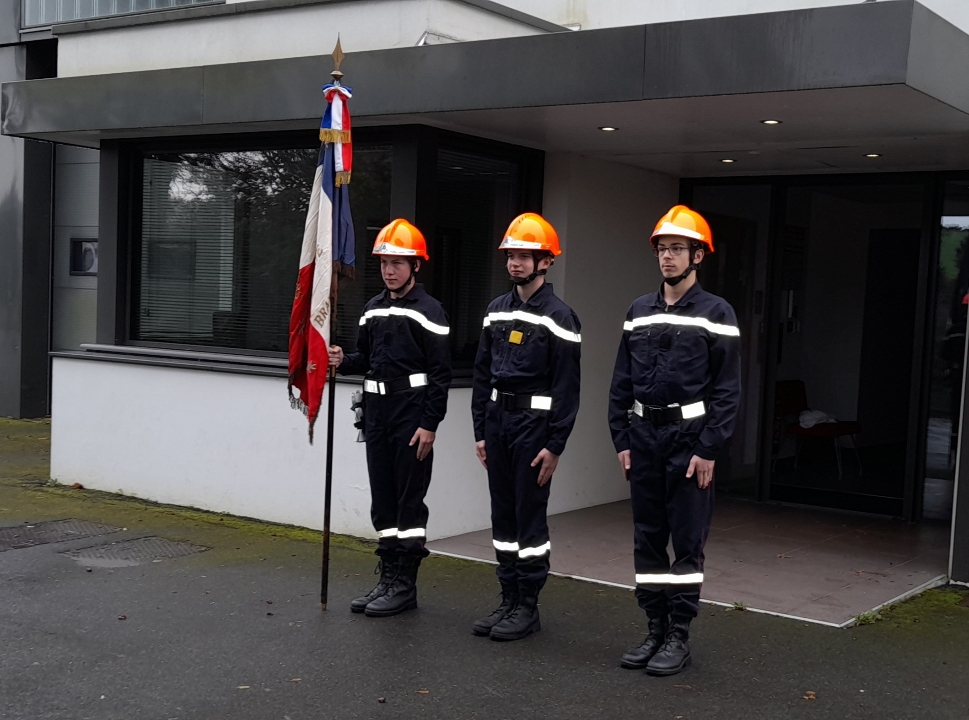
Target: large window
[50, 12]
[216, 246]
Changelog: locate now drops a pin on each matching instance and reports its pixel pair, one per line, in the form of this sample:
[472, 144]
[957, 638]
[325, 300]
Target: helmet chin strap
[527, 280]
[411, 280]
[676, 280]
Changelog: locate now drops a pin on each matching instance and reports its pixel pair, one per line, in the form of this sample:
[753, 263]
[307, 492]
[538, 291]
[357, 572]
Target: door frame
[933, 185]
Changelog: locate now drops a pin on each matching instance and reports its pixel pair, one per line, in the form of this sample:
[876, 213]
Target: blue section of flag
[343, 238]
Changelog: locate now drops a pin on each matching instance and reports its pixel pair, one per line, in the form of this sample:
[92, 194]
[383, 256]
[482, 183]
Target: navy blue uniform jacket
[544, 362]
[680, 354]
[404, 337]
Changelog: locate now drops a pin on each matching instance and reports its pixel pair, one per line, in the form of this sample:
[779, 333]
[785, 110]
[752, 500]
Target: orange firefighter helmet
[400, 239]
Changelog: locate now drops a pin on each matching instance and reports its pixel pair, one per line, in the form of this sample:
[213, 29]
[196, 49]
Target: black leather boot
[638, 657]
[521, 622]
[509, 598]
[401, 594]
[675, 653]
[387, 569]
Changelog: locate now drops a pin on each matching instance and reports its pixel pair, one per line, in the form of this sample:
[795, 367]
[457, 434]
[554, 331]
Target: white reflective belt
[541, 402]
[535, 551]
[408, 313]
[557, 330]
[693, 410]
[373, 386]
[389, 532]
[670, 319]
[668, 579]
[494, 394]
[505, 546]
[415, 532]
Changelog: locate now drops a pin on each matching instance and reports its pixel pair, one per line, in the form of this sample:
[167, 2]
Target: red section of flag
[308, 354]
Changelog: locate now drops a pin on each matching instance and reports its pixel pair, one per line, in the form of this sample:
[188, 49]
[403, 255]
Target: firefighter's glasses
[674, 250]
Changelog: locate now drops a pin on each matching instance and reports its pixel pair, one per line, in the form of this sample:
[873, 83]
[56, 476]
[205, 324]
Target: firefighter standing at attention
[524, 403]
[674, 398]
[404, 354]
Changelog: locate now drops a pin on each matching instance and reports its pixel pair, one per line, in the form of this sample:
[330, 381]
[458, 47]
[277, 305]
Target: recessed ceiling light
[457, 167]
[771, 122]
[873, 155]
[608, 129]
[727, 160]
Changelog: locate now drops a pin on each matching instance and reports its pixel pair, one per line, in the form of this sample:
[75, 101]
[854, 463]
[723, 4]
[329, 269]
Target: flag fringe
[297, 404]
[334, 136]
[342, 178]
[341, 270]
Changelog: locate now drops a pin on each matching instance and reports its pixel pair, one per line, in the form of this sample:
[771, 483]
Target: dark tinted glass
[220, 241]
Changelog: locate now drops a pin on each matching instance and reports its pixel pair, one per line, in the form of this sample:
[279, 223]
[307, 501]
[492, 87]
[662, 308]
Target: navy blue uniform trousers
[398, 480]
[667, 505]
[513, 438]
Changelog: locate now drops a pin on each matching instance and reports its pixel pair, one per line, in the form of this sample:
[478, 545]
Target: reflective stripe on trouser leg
[667, 505]
[398, 481]
[518, 503]
[504, 527]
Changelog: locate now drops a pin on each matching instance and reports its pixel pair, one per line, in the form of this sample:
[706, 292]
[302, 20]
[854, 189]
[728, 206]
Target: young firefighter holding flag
[674, 398]
[524, 403]
[404, 354]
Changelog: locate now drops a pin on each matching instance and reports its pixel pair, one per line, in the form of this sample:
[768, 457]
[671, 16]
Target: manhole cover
[126, 553]
[30, 534]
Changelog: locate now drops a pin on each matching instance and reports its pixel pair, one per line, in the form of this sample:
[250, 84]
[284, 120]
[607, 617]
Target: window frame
[413, 172]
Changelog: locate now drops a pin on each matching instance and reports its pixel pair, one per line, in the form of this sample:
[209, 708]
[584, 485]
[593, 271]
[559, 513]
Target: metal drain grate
[127, 553]
[24, 536]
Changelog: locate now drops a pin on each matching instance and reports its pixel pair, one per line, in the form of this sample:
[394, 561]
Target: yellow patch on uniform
[516, 337]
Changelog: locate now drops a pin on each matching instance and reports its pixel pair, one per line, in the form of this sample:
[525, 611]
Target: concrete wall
[294, 32]
[590, 14]
[231, 443]
[604, 212]
[12, 67]
[75, 303]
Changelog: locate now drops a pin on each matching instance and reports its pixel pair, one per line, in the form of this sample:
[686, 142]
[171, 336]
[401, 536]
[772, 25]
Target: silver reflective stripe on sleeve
[670, 319]
[408, 313]
[389, 532]
[541, 402]
[412, 533]
[668, 579]
[525, 553]
[505, 546]
[557, 330]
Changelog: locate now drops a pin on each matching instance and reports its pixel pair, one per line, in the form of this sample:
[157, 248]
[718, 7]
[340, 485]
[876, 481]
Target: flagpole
[330, 413]
[331, 399]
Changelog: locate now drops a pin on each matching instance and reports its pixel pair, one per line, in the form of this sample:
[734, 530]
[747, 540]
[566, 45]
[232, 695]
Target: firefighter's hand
[626, 463]
[479, 450]
[336, 355]
[424, 439]
[703, 469]
[549, 461]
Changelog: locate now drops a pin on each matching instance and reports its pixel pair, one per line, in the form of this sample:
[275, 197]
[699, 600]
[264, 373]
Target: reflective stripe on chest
[523, 316]
[407, 313]
[682, 321]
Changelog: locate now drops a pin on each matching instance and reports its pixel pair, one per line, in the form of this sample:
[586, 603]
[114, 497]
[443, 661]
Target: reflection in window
[476, 198]
[948, 352]
[220, 242]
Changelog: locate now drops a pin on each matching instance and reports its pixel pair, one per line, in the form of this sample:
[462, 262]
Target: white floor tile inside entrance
[818, 565]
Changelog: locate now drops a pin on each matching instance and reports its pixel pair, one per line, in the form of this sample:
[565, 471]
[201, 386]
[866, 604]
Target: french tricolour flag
[327, 252]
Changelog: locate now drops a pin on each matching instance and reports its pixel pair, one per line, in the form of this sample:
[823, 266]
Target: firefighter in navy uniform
[404, 354]
[672, 406]
[524, 403]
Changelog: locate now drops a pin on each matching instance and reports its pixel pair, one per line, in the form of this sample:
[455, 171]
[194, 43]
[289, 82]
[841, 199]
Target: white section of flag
[318, 246]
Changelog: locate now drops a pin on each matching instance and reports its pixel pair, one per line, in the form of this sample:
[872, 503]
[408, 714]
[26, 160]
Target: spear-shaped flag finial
[337, 60]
